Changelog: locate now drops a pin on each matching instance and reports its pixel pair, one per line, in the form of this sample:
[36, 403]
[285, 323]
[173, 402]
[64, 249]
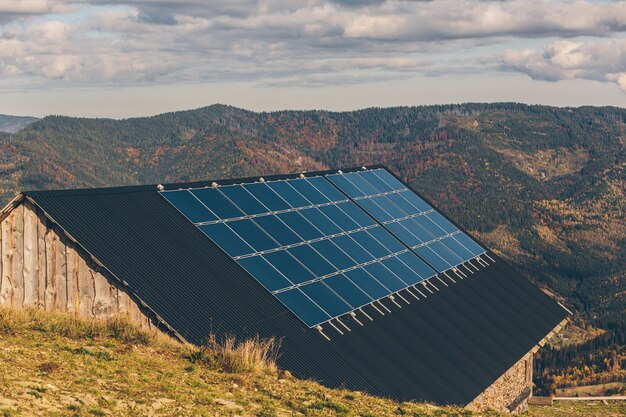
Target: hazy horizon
[304, 109]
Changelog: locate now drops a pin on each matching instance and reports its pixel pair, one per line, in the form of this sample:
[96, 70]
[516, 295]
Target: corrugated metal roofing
[446, 349]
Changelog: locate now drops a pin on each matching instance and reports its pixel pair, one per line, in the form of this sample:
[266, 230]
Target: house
[365, 282]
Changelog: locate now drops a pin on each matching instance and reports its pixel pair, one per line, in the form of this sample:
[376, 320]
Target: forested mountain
[543, 186]
[12, 124]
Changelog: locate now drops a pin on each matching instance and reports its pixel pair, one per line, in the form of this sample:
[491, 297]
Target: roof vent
[340, 172]
[160, 187]
[213, 184]
[261, 179]
[364, 168]
[301, 175]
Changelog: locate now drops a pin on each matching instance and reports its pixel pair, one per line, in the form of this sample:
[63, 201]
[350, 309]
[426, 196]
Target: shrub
[229, 354]
[48, 367]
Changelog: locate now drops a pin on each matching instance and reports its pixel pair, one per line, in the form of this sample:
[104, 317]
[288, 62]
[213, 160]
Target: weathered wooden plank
[17, 256]
[6, 287]
[103, 302]
[113, 297]
[123, 303]
[50, 279]
[144, 320]
[135, 314]
[61, 271]
[31, 253]
[42, 228]
[72, 259]
[86, 288]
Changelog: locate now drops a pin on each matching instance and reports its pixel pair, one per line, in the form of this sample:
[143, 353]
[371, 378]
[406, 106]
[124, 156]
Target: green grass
[56, 365]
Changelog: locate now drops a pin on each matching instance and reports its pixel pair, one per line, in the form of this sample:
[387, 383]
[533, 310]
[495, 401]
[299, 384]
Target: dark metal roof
[446, 349]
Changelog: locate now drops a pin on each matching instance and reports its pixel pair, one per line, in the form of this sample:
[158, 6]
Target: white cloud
[26, 6]
[619, 79]
[308, 42]
[15, 9]
[602, 60]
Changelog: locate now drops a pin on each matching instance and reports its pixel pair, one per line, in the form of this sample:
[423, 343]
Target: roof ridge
[191, 184]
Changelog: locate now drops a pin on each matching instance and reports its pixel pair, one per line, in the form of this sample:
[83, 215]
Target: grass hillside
[54, 365]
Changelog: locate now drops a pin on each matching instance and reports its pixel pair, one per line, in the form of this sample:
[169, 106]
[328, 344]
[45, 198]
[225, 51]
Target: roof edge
[14, 203]
[192, 184]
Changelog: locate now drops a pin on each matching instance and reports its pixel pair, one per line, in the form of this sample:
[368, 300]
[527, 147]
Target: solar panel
[306, 242]
[402, 212]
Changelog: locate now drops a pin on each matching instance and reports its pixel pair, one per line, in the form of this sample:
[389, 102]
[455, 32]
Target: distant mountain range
[12, 124]
[543, 186]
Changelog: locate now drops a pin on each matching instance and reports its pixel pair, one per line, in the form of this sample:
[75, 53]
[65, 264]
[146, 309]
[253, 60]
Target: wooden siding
[40, 267]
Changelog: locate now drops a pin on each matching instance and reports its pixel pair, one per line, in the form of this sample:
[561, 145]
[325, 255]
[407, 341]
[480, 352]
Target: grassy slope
[89, 370]
[53, 365]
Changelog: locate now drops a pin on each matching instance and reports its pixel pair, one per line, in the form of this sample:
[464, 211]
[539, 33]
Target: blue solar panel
[267, 196]
[326, 298]
[328, 245]
[265, 273]
[303, 307]
[247, 202]
[361, 278]
[279, 230]
[190, 206]
[409, 218]
[312, 260]
[346, 289]
[227, 239]
[217, 202]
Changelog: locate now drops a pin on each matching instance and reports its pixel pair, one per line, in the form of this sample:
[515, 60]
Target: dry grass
[55, 365]
[231, 355]
[14, 321]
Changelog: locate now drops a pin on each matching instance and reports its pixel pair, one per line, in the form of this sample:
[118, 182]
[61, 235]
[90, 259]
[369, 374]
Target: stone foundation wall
[511, 391]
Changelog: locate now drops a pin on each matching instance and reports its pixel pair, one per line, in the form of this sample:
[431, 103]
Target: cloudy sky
[120, 58]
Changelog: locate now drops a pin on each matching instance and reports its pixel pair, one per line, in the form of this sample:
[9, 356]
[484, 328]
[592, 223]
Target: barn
[365, 282]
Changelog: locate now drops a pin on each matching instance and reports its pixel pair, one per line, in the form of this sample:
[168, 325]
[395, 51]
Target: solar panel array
[408, 217]
[326, 246]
